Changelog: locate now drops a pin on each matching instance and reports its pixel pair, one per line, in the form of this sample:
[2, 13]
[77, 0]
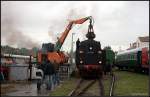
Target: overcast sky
[31, 23]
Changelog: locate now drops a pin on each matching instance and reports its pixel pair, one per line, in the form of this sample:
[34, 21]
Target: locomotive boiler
[89, 54]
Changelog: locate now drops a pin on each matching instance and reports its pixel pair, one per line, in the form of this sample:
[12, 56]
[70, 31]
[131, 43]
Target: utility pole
[72, 51]
[30, 67]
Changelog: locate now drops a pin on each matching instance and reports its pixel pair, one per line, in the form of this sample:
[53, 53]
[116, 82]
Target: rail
[113, 79]
[91, 82]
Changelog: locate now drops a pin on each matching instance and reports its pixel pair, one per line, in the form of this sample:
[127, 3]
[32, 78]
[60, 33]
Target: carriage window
[135, 56]
[125, 56]
[117, 58]
[129, 56]
[120, 57]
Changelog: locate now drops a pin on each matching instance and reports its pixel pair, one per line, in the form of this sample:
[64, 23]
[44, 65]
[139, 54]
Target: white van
[36, 73]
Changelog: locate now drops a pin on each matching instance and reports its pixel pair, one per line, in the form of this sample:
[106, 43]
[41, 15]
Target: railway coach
[137, 59]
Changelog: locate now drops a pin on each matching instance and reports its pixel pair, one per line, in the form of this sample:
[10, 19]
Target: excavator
[55, 56]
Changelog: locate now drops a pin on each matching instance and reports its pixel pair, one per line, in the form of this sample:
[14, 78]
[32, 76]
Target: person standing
[1, 75]
[42, 67]
[48, 70]
[48, 75]
[56, 78]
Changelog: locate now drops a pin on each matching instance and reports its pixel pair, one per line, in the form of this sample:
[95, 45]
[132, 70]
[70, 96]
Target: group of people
[51, 76]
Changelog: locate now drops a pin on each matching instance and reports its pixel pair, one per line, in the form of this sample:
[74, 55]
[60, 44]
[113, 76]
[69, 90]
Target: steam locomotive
[89, 58]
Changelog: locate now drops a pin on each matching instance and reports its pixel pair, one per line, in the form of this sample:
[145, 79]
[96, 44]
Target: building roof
[144, 39]
[132, 50]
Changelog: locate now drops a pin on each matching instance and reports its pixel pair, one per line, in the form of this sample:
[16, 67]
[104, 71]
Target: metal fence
[64, 71]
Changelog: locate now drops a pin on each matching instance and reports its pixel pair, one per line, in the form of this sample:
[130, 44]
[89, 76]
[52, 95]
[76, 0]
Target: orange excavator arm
[61, 40]
[59, 57]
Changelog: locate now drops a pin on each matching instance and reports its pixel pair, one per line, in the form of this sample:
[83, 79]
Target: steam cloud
[113, 18]
[11, 33]
[18, 38]
[58, 24]
[13, 36]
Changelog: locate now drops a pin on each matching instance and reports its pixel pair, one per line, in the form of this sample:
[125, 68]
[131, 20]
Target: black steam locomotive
[89, 54]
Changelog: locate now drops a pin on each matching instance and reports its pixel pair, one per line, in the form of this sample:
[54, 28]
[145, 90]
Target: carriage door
[139, 58]
[144, 58]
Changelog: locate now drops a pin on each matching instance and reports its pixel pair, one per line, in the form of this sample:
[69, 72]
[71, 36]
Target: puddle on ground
[29, 89]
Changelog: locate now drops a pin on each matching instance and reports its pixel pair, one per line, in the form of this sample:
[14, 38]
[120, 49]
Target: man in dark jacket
[56, 78]
[48, 70]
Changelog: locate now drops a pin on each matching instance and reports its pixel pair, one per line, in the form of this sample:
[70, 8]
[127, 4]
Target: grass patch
[95, 88]
[131, 84]
[127, 84]
[68, 85]
[65, 88]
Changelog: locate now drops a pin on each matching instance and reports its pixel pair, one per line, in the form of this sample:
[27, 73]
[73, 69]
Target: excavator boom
[56, 56]
[61, 40]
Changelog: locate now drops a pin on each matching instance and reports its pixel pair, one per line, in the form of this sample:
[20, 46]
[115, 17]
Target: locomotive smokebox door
[89, 56]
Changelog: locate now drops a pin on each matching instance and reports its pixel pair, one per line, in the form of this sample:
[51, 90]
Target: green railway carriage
[110, 56]
[128, 59]
[109, 59]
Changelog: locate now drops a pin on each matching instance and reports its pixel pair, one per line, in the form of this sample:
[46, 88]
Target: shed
[18, 72]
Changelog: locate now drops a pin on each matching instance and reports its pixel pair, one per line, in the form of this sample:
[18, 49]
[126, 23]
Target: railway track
[83, 85]
[113, 79]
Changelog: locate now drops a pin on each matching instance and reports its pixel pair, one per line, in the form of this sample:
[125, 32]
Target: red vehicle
[145, 58]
